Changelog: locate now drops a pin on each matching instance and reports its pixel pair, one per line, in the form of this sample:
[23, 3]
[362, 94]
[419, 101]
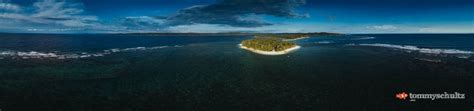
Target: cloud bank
[9, 7]
[235, 13]
[70, 16]
[382, 27]
[45, 14]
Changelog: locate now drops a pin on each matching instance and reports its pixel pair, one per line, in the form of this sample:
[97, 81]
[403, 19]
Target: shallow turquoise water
[212, 73]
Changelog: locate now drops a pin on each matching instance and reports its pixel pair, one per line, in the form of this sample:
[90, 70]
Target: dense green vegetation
[268, 44]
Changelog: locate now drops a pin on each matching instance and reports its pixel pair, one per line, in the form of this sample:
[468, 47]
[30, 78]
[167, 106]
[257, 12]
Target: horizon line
[213, 33]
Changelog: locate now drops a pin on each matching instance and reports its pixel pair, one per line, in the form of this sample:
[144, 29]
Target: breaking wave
[363, 38]
[455, 52]
[324, 42]
[57, 55]
[429, 60]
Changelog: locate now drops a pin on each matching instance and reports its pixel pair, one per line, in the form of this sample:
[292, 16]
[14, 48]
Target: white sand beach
[270, 52]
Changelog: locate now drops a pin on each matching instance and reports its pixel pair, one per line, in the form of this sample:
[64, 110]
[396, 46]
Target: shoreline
[270, 52]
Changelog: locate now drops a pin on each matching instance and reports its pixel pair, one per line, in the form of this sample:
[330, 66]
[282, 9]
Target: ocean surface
[94, 72]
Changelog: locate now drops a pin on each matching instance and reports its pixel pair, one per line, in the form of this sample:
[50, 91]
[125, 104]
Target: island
[263, 43]
[268, 46]
[278, 43]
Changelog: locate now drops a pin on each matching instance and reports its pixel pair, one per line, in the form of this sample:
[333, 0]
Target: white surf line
[429, 60]
[324, 42]
[449, 52]
[422, 50]
[41, 55]
[364, 38]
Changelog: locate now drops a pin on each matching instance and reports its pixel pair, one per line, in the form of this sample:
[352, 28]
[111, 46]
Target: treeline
[268, 44]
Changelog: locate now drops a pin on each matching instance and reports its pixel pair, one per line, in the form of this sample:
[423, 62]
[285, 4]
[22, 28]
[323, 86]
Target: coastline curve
[274, 53]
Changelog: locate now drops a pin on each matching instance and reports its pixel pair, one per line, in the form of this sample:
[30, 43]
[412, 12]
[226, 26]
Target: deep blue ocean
[102, 72]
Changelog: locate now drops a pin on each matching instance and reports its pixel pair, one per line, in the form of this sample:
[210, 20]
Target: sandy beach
[270, 52]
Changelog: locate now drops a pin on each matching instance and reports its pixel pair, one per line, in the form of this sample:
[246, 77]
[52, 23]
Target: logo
[427, 96]
[402, 96]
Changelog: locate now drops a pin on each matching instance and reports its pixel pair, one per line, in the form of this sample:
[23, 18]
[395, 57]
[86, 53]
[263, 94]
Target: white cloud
[447, 29]
[9, 7]
[426, 30]
[383, 27]
[60, 10]
[14, 16]
[47, 13]
[143, 21]
[62, 13]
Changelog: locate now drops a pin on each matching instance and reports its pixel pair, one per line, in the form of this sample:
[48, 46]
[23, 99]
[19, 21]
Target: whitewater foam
[57, 55]
[429, 60]
[409, 48]
[324, 42]
[363, 38]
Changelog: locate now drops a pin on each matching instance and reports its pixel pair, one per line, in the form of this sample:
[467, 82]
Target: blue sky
[344, 16]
